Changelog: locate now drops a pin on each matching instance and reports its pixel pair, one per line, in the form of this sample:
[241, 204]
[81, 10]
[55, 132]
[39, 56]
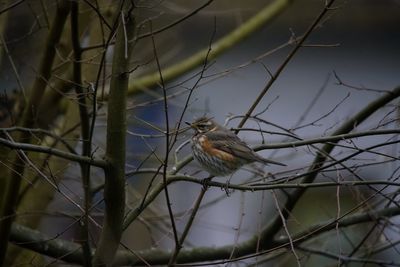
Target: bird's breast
[204, 144]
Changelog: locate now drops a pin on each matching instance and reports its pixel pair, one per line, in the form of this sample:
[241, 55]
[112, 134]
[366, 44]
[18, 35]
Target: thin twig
[167, 145]
[188, 225]
[277, 73]
[285, 227]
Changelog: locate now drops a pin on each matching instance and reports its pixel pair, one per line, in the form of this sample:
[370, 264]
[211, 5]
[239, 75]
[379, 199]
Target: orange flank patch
[208, 148]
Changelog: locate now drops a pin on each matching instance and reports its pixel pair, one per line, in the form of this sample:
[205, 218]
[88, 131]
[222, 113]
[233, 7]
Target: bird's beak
[184, 129]
[189, 124]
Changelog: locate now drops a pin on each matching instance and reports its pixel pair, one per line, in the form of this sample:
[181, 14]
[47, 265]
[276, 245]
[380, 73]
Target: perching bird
[219, 151]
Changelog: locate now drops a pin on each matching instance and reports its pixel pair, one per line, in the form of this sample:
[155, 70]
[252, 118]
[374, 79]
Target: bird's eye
[203, 125]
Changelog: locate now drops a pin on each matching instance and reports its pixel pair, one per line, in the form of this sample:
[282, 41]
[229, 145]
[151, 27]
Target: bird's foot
[205, 183]
[226, 188]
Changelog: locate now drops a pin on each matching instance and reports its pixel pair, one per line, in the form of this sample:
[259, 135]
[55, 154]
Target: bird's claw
[205, 183]
[226, 188]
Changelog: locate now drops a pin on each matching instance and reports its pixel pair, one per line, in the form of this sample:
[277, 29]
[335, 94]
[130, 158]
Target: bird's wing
[232, 144]
[238, 149]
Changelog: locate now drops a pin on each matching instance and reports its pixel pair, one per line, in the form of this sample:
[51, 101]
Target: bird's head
[203, 125]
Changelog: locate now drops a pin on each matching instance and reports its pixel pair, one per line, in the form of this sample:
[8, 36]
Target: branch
[72, 253]
[346, 259]
[285, 62]
[53, 151]
[253, 188]
[322, 156]
[11, 6]
[114, 188]
[325, 139]
[328, 225]
[347, 127]
[85, 127]
[167, 143]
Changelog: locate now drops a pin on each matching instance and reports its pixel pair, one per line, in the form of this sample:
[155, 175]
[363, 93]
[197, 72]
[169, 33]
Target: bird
[219, 151]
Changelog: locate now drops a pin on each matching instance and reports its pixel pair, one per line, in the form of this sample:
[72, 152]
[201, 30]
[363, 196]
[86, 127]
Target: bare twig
[53, 151]
[286, 61]
[167, 145]
[285, 227]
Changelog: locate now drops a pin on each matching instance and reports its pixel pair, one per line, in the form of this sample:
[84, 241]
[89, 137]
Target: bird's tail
[268, 161]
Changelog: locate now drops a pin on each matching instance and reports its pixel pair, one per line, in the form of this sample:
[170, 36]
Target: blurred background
[358, 42]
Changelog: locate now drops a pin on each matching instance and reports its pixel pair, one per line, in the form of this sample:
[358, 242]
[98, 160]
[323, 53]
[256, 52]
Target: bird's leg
[226, 187]
[205, 182]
